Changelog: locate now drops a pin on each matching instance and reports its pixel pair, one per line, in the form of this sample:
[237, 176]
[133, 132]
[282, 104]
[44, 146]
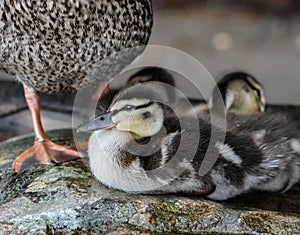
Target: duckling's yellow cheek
[135, 124]
[254, 104]
[254, 109]
[139, 125]
[145, 128]
[121, 120]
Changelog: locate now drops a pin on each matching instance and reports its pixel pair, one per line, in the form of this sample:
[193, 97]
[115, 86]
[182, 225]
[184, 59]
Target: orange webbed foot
[44, 152]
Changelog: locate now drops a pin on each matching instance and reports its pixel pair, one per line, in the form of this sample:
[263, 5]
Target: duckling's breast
[61, 46]
[112, 165]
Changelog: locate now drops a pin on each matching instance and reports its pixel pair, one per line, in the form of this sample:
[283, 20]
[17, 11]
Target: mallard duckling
[156, 75]
[143, 146]
[241, 94]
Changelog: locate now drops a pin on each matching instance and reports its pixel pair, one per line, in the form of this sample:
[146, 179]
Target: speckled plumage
[64, 45]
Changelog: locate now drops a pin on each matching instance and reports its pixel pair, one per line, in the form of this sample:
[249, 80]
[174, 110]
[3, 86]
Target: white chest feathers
[107, 166]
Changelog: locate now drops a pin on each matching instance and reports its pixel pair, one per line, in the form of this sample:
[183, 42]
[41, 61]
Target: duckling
[153, 74]
[241, 94]
[144, 146]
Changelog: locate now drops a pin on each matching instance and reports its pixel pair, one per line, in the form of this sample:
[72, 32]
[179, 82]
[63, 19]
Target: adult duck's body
[141, 146]
[65, 45]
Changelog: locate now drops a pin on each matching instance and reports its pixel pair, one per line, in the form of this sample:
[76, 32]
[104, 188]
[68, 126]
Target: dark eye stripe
[131, 107]
[254, 88]
[125, 108]
[144, 105]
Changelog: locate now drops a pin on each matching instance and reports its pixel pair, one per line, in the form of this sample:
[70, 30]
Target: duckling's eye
[128, 107]
[146, 115]
[246, 88]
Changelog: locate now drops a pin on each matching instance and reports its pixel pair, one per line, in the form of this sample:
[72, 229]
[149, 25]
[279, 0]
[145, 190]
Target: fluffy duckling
[241, 94]
[155, 74]
[148, 74]
[143, 146]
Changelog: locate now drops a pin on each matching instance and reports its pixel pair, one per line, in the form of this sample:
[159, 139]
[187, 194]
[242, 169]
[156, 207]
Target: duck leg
[44, 151]
[102, 90]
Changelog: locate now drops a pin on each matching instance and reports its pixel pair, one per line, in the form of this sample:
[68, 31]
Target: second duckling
[156, 75]
[140, 146]
[241, 94]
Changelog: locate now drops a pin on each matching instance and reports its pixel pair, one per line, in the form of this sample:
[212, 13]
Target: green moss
[177, 215]
[271, 222]
[60, 182]
[13, 185]
[172, 209]
[228, 211]
[164, 211]
[260, 222]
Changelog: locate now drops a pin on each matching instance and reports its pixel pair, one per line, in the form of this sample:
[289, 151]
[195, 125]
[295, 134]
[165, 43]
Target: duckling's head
[241, 94]
[140, 114]
[154, 74]
[141, 117]
[151, 74]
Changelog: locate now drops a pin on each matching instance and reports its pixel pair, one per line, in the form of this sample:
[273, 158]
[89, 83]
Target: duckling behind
[241, 94]
[140, 146]
[148, 74]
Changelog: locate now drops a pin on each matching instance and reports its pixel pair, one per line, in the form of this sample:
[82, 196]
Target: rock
[65, 199]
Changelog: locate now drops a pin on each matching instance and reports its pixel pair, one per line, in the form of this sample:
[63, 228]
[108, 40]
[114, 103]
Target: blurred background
[261, 37]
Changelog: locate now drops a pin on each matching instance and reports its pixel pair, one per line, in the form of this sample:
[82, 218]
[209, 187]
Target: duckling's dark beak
[103, 121]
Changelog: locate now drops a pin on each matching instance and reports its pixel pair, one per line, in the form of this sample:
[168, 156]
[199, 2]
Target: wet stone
[65, 199]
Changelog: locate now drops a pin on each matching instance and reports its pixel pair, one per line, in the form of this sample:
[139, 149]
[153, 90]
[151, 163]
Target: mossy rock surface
[65, 199]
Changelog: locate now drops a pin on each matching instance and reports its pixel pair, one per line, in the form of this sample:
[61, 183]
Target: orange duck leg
[44, 151]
